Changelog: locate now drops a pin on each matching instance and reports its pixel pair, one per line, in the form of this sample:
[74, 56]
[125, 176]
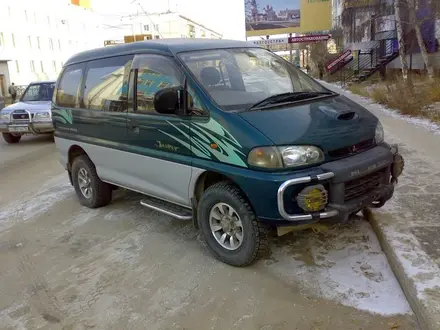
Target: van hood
[329, 123]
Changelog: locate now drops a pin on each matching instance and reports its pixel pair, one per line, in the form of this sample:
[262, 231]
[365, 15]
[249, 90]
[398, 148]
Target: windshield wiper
[288, 97]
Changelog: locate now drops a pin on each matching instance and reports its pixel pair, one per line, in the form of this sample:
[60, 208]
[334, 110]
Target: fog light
[312, 198]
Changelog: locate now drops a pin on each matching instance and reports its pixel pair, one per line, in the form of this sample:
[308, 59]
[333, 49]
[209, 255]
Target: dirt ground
[63, 266]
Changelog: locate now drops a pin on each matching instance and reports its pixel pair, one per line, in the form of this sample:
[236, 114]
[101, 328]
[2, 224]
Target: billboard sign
[269, 17]
[309, 38]
[81, 3]
[293, 40]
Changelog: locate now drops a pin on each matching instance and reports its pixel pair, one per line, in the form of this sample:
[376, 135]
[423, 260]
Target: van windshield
[238, 78]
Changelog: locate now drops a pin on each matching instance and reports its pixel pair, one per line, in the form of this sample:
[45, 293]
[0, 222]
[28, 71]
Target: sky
[225, 17]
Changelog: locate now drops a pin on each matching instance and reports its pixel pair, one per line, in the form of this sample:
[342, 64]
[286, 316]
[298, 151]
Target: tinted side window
[68, 88]
[106, 84]
[154, 73]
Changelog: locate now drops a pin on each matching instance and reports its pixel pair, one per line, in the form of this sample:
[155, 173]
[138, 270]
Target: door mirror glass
[167, 100]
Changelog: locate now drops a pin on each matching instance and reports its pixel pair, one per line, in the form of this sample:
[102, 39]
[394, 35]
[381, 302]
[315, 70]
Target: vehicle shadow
[29, 140]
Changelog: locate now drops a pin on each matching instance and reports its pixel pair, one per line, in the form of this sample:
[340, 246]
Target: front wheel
[229, 227]
[91, 191]
[9, 138]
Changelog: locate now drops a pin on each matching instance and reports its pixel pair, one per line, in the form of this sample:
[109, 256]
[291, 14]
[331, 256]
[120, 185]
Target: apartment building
[160, 26]
[37, 37]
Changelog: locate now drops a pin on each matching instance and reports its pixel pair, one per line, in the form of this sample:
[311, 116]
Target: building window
[35, 18]
[54, 66]
[30, 41]
[2, 41]
[38, 43]
[48, 20]
[42, 66]
[156, 27]
[203, 33]
[156, 37]
[32, 66]
[107, 84]
[67, 92]
[25, 15]
[146, 28]
[50, 44]
[191, 31]
[59, 44]
[17, 66]
[13, 40]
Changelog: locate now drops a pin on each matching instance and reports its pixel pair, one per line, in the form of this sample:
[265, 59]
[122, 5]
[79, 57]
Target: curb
[428, 315]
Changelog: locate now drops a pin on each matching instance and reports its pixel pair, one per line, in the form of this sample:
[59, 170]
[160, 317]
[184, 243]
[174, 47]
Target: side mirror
[168, 100]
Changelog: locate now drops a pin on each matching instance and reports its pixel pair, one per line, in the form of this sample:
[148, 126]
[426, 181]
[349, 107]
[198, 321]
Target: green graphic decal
[203, 135]
[63, 115]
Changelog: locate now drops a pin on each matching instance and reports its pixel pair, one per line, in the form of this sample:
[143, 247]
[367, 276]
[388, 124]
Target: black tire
[9, 138]
[255, 233]
[101, 193]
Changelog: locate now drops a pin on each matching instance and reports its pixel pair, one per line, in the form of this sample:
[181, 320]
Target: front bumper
[27, 128]
[339, 177]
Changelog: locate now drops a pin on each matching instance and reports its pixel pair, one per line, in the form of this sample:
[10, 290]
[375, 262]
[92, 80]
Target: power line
[149, 18]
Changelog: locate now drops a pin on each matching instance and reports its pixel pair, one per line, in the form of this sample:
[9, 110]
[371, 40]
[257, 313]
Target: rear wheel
[9, 138]
[229, 227]
[91, 191]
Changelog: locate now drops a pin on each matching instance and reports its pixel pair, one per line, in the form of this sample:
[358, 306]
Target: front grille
[351, 150]
[20, 116]
[363, 185]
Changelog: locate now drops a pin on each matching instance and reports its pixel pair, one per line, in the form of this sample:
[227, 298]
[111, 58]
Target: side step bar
[167, 208]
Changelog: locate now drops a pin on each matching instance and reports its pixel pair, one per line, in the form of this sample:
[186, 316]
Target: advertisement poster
[269, 17]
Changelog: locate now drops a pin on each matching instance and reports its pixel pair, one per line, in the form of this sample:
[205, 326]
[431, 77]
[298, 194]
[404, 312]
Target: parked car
[30, 115]
[222, 132]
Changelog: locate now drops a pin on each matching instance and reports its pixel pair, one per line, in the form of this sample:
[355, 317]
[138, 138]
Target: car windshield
[238, 78]
[38, 92]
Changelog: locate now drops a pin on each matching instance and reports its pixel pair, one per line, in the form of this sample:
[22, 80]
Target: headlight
[285, 157]
[379, 134]
[266, 157]
[4, 117]
[42, 115]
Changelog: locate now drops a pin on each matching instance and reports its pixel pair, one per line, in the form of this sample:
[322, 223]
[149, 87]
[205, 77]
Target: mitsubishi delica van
[223, 133]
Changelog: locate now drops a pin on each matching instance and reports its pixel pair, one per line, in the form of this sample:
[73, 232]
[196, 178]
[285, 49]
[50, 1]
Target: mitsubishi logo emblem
[353, 149]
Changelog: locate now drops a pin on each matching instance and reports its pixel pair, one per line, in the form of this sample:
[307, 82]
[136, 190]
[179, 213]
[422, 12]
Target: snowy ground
[63, 266]
[409, 222]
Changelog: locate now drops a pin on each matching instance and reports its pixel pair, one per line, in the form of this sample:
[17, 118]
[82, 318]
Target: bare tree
[412, 9]
[401, 41]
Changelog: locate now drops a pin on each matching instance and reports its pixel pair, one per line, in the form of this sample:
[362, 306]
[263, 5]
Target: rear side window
[68, 88]
[106, 84]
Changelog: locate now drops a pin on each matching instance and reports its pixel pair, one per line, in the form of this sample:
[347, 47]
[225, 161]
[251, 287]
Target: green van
[223, 133]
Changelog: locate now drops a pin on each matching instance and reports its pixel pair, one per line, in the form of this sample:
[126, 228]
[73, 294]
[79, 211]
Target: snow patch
[347, 266]
[33, 204]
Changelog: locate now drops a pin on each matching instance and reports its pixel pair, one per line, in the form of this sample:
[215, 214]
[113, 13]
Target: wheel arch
[74, 152]
[203, 181]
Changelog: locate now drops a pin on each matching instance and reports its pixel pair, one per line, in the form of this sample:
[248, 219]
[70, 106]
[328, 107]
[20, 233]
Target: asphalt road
[63, 266]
